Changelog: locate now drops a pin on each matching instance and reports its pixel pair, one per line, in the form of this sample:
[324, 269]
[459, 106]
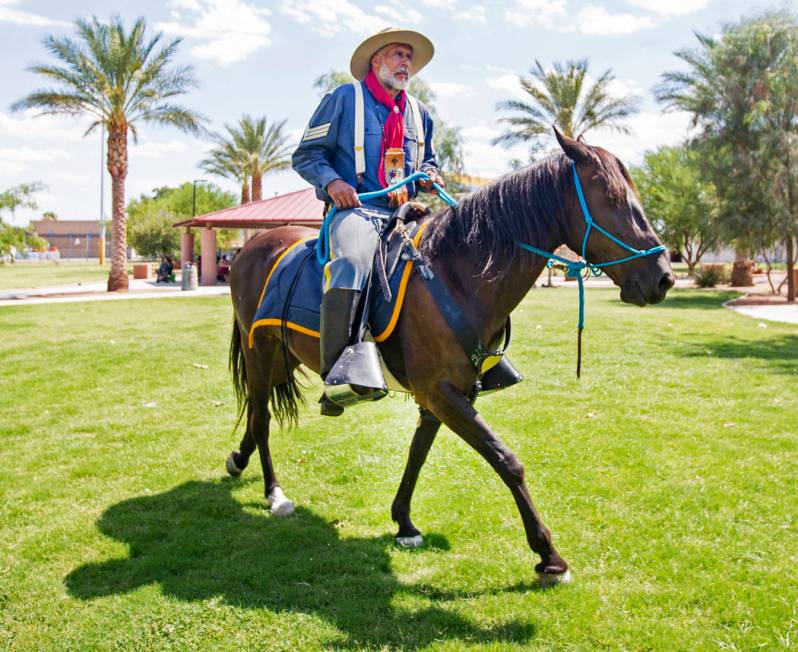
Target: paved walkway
[787, 313]
[148, 289]
[138, 289]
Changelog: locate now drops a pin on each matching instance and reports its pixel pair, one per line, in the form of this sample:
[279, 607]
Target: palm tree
[251, 150]
[224, 161]
[565, 98]
[119, 79]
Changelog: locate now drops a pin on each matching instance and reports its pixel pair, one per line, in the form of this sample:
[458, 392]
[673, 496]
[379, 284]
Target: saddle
[291, 294]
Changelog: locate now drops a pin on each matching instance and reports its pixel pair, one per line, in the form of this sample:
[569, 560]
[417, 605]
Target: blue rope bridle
[574, 268]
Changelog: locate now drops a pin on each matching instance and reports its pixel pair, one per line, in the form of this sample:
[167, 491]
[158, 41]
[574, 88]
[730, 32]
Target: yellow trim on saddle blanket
[268, 322]
[402, 289]
[397, 309]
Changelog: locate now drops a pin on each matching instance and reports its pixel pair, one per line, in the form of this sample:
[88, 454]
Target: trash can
[189, 277]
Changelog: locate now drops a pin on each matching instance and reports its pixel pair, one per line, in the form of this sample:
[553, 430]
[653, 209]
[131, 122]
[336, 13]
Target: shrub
[710, 275]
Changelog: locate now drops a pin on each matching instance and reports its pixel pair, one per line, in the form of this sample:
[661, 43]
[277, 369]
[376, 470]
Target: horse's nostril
[666, 282]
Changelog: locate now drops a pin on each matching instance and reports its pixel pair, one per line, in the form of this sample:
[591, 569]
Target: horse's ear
[574, 150]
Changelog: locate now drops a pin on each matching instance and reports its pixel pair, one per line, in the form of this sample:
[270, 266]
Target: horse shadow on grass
[197, 542]
[777, 354]
[697, 300]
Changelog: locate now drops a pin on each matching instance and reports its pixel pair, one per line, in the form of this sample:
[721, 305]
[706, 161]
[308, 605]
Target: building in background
[73, 238]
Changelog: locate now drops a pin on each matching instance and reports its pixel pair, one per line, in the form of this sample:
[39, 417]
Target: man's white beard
[388, 78]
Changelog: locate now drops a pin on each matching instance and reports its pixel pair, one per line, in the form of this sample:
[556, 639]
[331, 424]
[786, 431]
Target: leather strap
[360, 130]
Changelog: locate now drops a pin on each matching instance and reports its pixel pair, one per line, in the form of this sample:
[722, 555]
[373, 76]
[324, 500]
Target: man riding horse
[363, 137]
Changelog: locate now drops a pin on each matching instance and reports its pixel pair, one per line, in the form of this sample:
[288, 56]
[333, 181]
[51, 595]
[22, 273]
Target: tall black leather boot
[338, 312]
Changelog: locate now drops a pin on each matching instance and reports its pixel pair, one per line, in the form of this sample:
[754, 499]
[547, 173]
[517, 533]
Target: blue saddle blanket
[298, 273]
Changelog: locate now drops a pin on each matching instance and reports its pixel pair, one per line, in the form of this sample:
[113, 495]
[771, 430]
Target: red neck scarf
[393, 132]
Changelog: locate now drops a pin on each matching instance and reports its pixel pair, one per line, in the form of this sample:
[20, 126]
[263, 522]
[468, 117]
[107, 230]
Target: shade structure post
[187, 246]
[208, 253]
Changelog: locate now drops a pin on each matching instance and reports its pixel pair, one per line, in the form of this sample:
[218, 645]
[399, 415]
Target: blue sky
[261, 57]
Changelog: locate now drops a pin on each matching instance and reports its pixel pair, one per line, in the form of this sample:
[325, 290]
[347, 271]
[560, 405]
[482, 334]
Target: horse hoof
[232, 469]
[553, 579]
[410, 542]
[279, 504]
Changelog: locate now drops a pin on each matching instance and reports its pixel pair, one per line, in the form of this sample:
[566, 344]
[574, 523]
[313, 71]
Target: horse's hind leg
[428, 425]
[264, 368]
[239, 460]
[456, 412]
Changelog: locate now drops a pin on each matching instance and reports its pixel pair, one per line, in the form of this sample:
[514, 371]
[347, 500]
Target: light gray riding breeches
[354, 236]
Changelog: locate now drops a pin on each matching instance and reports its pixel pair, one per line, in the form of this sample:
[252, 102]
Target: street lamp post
[194, 197]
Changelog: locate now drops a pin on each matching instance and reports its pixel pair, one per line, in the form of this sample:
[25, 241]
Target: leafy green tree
[564, 97]
[152, 234]
[329, 81]
[740, 88]
[249, 150]
[682, 206]
[151, 217]
[19, 238]
[20, 196]
[120, 79]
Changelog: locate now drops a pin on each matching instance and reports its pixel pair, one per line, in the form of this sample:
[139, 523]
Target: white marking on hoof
[552, 579]
[279, 504]
[232, 469]
[410, 542]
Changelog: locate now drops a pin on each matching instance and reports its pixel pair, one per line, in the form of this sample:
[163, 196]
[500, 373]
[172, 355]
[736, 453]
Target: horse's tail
[285, 399]
[285, 396]
[238, 369]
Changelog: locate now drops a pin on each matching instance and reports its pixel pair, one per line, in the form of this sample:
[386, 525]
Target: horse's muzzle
[642, 291]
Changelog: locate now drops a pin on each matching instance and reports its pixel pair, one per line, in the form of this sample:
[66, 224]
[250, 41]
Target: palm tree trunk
[257, 187]
[117, 167]
[245, 197]
[790, 269]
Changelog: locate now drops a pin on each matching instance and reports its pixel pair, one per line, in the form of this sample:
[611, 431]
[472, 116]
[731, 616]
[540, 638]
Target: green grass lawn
[667, 476]
[51, 273]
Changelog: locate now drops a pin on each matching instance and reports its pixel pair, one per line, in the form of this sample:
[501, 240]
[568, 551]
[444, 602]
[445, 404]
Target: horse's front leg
[428, 425]
[454, 409]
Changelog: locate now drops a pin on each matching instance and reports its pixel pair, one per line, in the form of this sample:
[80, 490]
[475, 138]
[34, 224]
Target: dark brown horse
[473, 248]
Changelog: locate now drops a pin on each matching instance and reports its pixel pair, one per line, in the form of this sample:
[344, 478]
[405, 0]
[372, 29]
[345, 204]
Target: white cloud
[484, 159]
[597, 20]
[508, 84]
[449, 5]
[230, 30]
[156, 149]
[328, 17]
[545, 13]
[450, 89]
[20, 17]
[671, 7]
[622, 87]
[479, 132]
[473, 14]
[649, 130]
[32, 155]
[30, 125]
[399, 14]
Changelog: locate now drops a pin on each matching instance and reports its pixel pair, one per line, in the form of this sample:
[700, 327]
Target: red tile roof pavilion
[300, 207]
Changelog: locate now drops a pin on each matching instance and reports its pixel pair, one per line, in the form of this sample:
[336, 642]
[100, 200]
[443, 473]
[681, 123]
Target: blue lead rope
[575, 268]
[323, 243]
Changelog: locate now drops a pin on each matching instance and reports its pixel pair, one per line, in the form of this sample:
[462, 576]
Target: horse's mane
[526, 205]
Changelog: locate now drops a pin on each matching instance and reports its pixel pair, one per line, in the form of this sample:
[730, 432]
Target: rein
[575, 269]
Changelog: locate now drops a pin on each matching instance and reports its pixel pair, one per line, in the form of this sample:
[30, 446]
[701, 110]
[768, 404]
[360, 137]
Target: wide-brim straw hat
[423, 49]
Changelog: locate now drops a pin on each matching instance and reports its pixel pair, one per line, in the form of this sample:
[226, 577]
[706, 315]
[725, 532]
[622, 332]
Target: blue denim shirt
[327, 149]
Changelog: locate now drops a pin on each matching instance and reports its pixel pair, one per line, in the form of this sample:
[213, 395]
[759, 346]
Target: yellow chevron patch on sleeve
[312, 133]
